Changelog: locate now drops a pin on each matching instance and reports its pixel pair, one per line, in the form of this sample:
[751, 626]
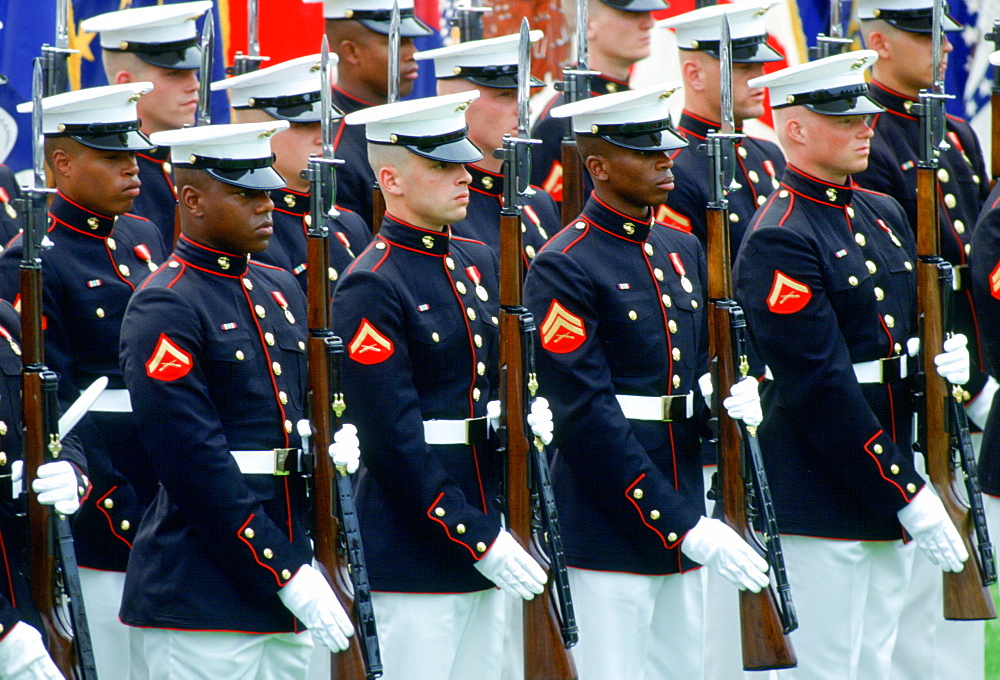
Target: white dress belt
[663, 409]
[113, 401]
[464, 431]
[878, 371]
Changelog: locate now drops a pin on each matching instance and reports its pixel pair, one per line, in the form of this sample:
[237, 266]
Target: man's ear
[390, 180]
[191, 199]
[693, 75]
[123, 77]
[349, 52]
[61, 162]
[597, 166]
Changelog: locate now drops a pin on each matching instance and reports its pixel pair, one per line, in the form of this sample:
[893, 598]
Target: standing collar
[417, 239]
[892, 100]
[79, 219]
[835, 195]
[485, 181]
[698, 126]
[348, 103]
[158, 153]
[606, 218]
[210, 260]
[602, 84]
[294, 202]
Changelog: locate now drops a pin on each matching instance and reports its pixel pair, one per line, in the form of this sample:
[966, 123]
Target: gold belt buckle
[281, 457]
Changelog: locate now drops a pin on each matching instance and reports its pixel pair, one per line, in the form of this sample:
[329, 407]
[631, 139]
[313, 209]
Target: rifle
[994, 37]
[764, 624]
[251, 61]
[55, 60]
[337, 534]
[549, 622]
[467, 24]
[52, 567]
[575, 86]
[392, 96]
[207, 43]
[965, 595]
[834, 42]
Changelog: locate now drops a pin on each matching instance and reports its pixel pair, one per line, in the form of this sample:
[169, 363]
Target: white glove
[310, 598]
[540, 420]
[953, 363]
[346, 449]
[712, 543]
[17, 478]
[23, 656]
[56, 485]
[978, 409]
[509, 566]
[707, 388]
[931, 527]
[744, 402]
[493, 414]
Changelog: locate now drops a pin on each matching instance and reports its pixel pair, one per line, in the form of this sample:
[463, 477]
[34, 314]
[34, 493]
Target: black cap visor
[500, 77]
[637, 5]
[459, 151]
[917, 20]
[120, 141]
[182, 54]
[752, 50]
[861, 105]
[656, 135]
[302, 108]
[378, 20]
[265, 179]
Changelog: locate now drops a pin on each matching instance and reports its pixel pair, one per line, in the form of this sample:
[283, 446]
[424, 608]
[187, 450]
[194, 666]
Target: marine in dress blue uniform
[418, 313]
[213, 350]
[157, 44]
[759, 163]
[832, 265]
[290, 91]
[363, 82]
[490, 66]
[620, 304]
[99, 255]
[616, 43]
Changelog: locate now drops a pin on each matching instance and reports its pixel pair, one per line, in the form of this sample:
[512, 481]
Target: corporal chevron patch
[995, 282]
[562, 331]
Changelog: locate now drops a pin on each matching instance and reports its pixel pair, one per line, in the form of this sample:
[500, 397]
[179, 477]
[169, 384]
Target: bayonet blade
[582, 45]
[253, 42]
[325, 98]
[62, 24]
[37, 139]
[937, 25]
[523, 78]
[726, 77]
[394, 39]
[836, 22]
[207, 44]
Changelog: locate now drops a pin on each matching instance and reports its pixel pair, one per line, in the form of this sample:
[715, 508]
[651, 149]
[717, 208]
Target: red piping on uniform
[241, 537]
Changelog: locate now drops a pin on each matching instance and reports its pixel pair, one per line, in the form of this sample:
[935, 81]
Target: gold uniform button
[671, 537]
[435, 337]
[853, 280]
[889, 321]
[283, 397]
[694, 304]
[676, 382]
[968, 248]
[471, 313]
[269, 338]
[632, 315]
[911, 487]
[860, 239]
[302, 345]
[672, 326]
[850, 213]
[481, 547]
[943, 175]
[285, 574]
[259, 309]
[667, 302]
[450, 263]
[648, 248]
[125, 525]
[460, 287]
[742, 152]
[380, 245]
[173, 265]
[734, 218]
[897, 348]
[580, 225]
[268, 553]
[658, 273]
[123, 268]
[288, 426]
[248, 532]
[530, 250]
[496, 321]
[3, 461]
[654, 515]
[761, 200]
[331, 274]
[460, 529]
[476, 394]
[950, 201]
[478, 340]
[908, 265]
[480, 368]
[439, 512]
[3, 428]
[100, 313]
[960, 226]
[111, 243]
[637, 494]
[753, 176]
[879, 294]
[877, 448]
[276, 367]
[167, 167]
[108, 503]
[894, 469]
[871, 266]
[676, 354]
[239, 354]
[783, 193]
[247, 283]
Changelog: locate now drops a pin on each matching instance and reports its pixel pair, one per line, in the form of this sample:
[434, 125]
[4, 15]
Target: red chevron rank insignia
[787, 295]
[562, 331]
[995, 282]
[369, 346]
[168, 361]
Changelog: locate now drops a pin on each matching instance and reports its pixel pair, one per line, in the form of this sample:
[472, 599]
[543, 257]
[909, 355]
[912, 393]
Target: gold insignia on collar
[223, 262]
[831, 194]
[289, 200]
[488, 182]
[428, 242]
[612, 87]
[629, 228]
[93, 222]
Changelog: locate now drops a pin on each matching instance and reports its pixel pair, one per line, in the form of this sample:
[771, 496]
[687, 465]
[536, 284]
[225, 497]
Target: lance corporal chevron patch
[562, 331]
[369, 346]
[995, 282]
[787, 295]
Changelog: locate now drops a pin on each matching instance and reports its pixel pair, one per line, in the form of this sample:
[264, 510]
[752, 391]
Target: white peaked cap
[108, 104]
[500, 51]
[701, 29]
[155, 24]
[826, 85]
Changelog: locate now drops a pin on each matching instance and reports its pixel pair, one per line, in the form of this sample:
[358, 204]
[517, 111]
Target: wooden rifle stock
[994, 37]
[965, 596]
[765, 646]
[378, 208]
[572, 181]
[545, 655]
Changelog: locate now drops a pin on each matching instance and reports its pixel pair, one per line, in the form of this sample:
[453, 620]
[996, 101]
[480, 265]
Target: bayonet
[834, 42]
[468, 21]
[55, 67]
[728, 129]
[394, 40]
[207, 44]
[329, 198]
[251, 61]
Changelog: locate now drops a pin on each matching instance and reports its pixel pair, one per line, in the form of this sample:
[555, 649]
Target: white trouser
[163, 654]
[849, 600]
[102, 598]
[426, 636]
[513, 640]
[633, 626]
